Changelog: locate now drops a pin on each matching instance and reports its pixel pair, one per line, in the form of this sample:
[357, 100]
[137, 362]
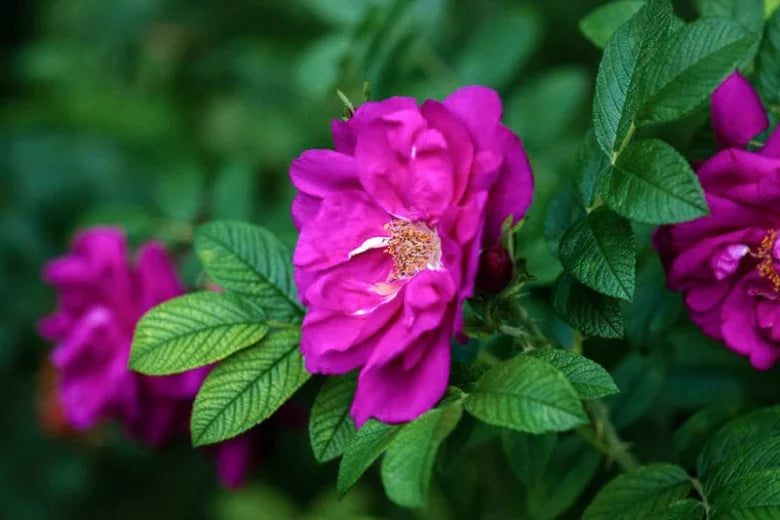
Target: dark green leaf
[696, 60]
[768, 63]
[526, 394]
[247, 388]
[684, 509]
[748, 463]
[584, 309]
[250, 261]
[624, 72]
[588, 378]
[651, 182]
[527, 453]
[592, 165]
[693, 434]
[408, 463]
[330, 426]
[599, 251]
[655, 308]
[748, 13]
[645, 493]
[563, 211]
[756, 496]
[194, 330]
[366, 446]
[601, 23]
[640, 380]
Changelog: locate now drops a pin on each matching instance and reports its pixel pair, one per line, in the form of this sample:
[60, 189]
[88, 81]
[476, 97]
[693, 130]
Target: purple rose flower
[101, 297]
[727, 263]
[392, 223]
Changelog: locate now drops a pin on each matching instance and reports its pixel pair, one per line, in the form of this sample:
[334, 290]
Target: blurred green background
[159, 114]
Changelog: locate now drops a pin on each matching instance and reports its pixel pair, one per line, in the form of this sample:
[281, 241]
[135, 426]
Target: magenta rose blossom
[391, 226]
[101, 297]
[728, 263]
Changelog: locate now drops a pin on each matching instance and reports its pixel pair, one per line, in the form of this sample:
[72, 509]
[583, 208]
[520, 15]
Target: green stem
[696, 483]
[601, 434]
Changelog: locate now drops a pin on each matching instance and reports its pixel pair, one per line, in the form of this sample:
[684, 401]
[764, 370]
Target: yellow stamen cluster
[766, 266]
[413, 247]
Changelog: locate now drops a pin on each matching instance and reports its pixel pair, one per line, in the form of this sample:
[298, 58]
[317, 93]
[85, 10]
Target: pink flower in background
[728, 263]
[392, 223]
[101, 296]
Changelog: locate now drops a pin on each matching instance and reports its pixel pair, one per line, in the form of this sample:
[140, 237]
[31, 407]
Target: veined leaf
[643, 493]
[365, 447]
[408, 463]
[622, 81]
[599, 251]
[586, 310]
[652, 183]
[592, 164]
[696, 60]
[588, 378]
[194, 330]
[756, 496]
[599, 25]
[250, 261]
[248, 387]
[330, 426]
[768, 63]
[526, 394]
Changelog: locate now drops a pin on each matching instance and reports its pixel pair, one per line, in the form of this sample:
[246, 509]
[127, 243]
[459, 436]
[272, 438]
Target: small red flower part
[495, 269]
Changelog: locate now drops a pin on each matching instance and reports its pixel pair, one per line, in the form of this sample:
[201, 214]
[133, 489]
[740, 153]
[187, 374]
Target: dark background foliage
[159, 114]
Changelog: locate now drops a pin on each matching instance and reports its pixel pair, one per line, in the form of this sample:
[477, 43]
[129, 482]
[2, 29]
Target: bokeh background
[159, 114]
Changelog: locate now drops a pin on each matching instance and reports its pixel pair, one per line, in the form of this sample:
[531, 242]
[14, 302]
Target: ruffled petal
[479, 108]
[737, 113]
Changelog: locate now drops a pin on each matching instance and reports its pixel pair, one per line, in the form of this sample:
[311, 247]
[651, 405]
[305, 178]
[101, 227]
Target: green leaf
[685, 509]
[408, 464]
[600, 24]
[692, 435]
[546, 107]
[250, 261]
[562, 212]
[526, 394]
[748, 13]
[640, 380]
[646, 492]
[744, 431]
[592, 165]
[509, 38]
[330, 426]
[586, 310]
[248, 387]
[194, 330]
[599, 251]
[756, 496]
[696, 60]
[569, 470]
[652, 183]
[528, 454]
[621, 84]
[745, 463]
[588, 378]
[655, 308]
[768, 63]
[365, 447]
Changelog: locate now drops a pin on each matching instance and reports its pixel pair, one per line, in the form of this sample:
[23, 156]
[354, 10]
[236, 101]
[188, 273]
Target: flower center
[766, 256]
[414, 247]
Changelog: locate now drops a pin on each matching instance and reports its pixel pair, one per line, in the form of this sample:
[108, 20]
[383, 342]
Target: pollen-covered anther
[766, 266]
[413, 246]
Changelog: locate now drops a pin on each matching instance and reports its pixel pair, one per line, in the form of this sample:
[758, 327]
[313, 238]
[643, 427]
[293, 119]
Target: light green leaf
[768, 63]
[330, 426]
[566, 475]
[248, 387]
[600, 24]
[365, 447]
[250, 261]
[588, 378]
[509, 38]
[194, 330]
[408, 464]
[599, 251]
[645, 493]
[621, 84]
[526, 394]
[696, 60]
[527, 453]
[653, 183]
[586, 310]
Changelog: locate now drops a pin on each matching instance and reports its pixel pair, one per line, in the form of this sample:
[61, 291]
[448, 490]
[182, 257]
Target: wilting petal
[737, 113]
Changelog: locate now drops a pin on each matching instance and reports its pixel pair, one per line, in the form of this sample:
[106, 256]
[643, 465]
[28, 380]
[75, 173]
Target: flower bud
[495, 269]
